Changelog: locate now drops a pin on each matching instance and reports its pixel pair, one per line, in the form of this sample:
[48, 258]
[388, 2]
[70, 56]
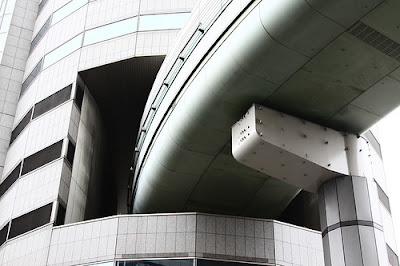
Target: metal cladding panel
[300, 153]
[344, 12]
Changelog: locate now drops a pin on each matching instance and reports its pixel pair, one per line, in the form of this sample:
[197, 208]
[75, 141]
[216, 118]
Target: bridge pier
[352, 232]
[340, 167]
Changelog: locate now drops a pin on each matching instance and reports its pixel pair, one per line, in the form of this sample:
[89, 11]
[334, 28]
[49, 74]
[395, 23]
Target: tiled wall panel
[17, 33]
[66, 29]
[37, 188]
[15, 153]
[58, 76]
[102, 12]
[155, 43]
[31, 249]
[26, 102]
[49, 128]
[185, 235]
[60, 3]
[166, 6]
[108, 51]
[84, 242]
[37, 53]
[7, 204]
[43, 16]
[388, 228]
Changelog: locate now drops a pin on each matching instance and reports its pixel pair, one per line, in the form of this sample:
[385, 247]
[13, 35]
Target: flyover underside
[299, 57]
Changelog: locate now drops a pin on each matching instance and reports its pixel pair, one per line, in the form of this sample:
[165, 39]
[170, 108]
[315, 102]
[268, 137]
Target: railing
[170, 77]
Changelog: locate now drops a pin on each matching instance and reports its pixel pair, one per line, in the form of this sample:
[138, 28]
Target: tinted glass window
[21, 125]
[393, 259]
[67, 9]
[221, 263]
[31, 77]
[164, 21]
[71, 153]
[3, 234]
[79, 96]
[40, 34]
[110, 31]
[10, 179]
[30, 221]
[60, 215]
[52, 101]
[42, 157]
[383, 197]
[187, 262]
[62, 51]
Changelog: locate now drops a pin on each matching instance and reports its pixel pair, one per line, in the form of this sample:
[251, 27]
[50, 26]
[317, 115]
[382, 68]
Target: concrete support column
[351, 223]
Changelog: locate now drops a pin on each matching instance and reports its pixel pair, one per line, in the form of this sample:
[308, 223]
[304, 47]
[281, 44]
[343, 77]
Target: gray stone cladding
[185, 235]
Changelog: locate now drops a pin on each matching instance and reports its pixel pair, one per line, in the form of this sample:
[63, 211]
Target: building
[113, 107]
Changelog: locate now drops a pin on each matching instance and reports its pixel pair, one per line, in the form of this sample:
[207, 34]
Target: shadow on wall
[303, 211]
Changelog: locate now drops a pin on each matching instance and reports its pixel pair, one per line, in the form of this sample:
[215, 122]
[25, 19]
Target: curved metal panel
[344, 12]
[294, 24]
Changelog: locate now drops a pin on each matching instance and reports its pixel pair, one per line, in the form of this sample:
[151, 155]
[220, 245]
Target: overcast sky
[389, 134]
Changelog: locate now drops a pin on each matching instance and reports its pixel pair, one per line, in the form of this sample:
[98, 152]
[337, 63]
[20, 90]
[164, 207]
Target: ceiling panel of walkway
[354, 81]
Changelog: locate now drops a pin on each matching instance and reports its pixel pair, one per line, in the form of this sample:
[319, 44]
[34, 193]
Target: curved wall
[68, 37]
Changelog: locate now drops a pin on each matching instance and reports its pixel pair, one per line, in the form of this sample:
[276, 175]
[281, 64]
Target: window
[164, 21]
[110, 31]
[31, 77]
[62, 51]
[67, 9]
[40, 34]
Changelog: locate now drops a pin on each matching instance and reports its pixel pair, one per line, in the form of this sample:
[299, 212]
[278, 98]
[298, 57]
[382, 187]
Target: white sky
[389, 137]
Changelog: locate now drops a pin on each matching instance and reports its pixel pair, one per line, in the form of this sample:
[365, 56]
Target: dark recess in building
[120, 90]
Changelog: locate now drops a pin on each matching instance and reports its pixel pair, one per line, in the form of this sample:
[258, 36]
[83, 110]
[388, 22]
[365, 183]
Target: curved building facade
[120, 143]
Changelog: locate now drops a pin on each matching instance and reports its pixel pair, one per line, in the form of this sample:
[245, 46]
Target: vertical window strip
[3, 233]
[21, 126]
[40, 34]
[36, 70]
[10, 179]
[68, 9]
[110, 31]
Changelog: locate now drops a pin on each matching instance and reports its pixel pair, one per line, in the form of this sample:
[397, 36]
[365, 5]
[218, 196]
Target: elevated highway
[334, 63]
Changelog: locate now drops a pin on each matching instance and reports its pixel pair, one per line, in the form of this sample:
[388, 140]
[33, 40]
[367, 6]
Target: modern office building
[196, 132]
